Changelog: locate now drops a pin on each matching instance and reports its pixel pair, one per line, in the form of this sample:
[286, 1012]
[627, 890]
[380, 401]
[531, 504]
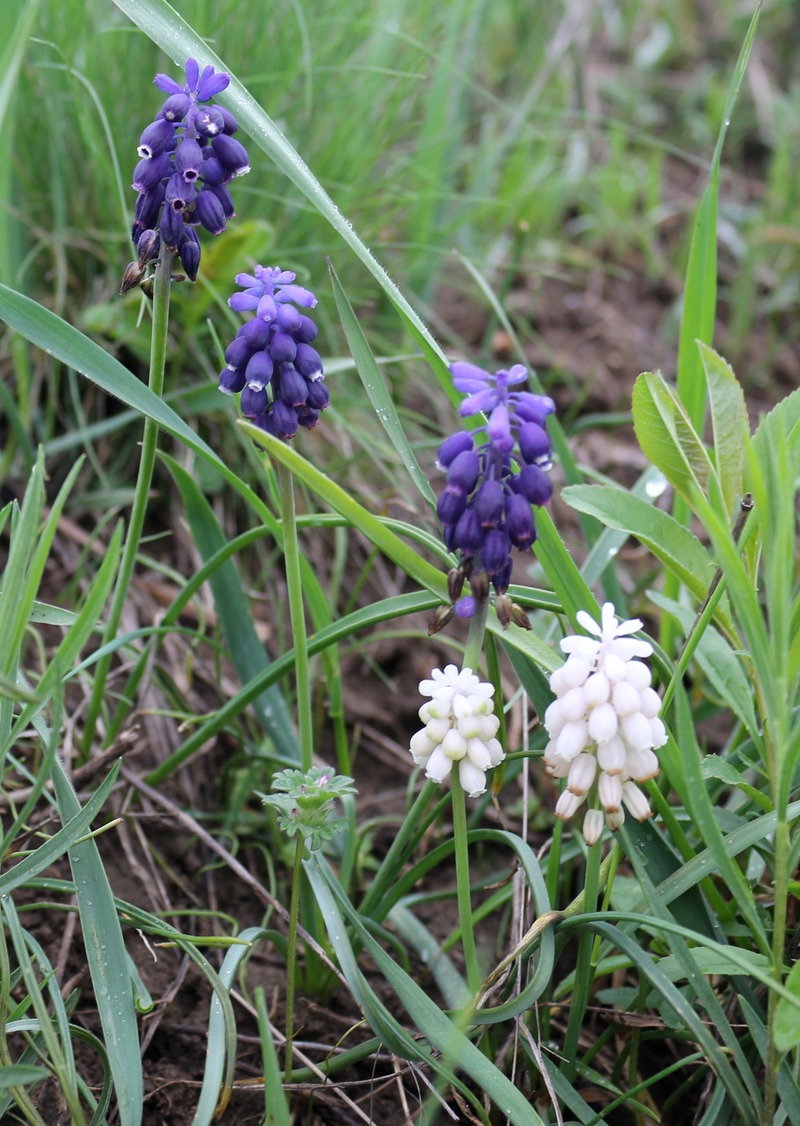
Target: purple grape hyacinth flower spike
[486, 507]
[270, 361]
[187, 158]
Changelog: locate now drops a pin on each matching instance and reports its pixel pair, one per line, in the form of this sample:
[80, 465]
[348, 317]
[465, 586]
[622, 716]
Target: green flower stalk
[303, 801]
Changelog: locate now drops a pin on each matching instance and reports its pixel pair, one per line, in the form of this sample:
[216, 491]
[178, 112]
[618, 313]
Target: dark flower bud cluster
[271, 362]
[188, 156]
[486, 506]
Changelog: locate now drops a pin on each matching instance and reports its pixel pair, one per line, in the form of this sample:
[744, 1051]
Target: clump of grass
[497, 959]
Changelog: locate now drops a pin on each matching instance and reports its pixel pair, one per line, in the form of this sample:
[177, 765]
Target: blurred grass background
[544, 139]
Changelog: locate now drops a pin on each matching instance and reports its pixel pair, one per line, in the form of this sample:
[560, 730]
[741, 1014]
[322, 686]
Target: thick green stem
[291, 951]
[463, 883]
[158, 354]
[297, 616]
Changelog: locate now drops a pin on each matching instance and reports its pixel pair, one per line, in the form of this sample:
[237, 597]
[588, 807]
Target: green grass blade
[171, 32]
[243, 644]
[437, 1028]
[24, 530]
[47, 853]
[700, 287]
[677, 548]
[107, 959]
[379, 533]
[78, 633]
[21, 1075]
[378, 393]
[59, 339]
[276, 1110]
[215, 1092]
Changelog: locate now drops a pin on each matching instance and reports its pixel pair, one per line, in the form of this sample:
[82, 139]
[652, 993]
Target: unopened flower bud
[439, 619]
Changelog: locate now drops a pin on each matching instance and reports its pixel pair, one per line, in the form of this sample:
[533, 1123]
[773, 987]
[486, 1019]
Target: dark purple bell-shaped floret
[187, 156]
[486, 505]
[283, 380]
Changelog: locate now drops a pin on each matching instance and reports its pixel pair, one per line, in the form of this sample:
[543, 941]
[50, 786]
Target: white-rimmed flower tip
[460, 727]
[603, 724]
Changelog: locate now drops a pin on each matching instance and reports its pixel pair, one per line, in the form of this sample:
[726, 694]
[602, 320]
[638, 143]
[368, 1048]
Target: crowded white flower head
[460, 727]
[603, 725]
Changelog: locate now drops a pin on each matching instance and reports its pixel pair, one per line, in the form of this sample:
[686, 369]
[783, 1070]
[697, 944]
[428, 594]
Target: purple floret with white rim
[486, 506]
[270, 361]
[187, 157]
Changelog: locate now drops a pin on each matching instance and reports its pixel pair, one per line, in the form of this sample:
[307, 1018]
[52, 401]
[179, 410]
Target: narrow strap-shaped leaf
[437, 1028]
[377, 391]
[47, 853]
[107, 960]
[246, 650]
[171, 32]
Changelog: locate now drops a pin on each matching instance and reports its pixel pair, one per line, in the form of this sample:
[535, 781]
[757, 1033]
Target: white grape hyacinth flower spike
[460, 728]
[604, 725]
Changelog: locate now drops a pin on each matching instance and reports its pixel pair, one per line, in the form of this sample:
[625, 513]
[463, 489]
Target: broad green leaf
[677, 548]
[719, 662]
[241, 639]
[44, 613]
[666, 435]
[784, 417]
[107, 959]
[729, 422]
[378, 393]
[662, 861]
[787, 1016]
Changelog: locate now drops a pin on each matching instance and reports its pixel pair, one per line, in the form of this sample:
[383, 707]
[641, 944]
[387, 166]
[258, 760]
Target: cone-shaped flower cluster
[603, 725]
[460, 727]
[271, 361]
[188, 156]
[486, 507]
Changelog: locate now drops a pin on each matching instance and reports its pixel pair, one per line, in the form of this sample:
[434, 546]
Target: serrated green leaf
[729, 422]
